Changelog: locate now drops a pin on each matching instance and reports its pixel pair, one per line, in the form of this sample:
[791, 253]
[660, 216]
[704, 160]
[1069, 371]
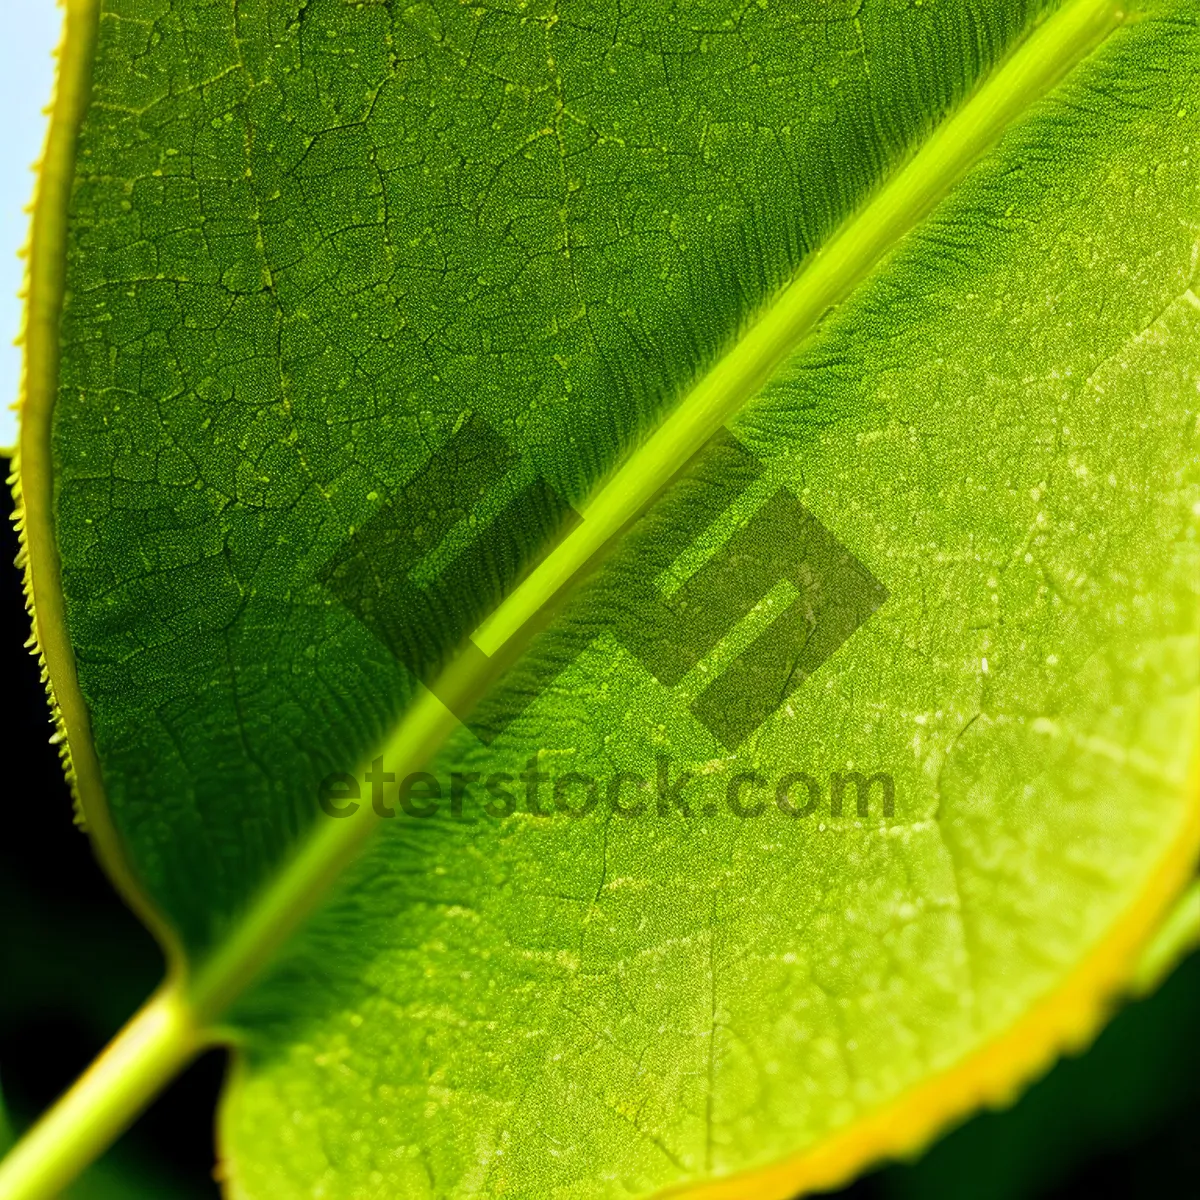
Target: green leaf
[863, 342]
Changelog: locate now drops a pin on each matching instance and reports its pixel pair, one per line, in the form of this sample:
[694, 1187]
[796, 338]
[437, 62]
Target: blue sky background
[30, 34]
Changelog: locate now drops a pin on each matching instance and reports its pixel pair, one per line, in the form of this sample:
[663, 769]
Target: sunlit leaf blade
[325, 263]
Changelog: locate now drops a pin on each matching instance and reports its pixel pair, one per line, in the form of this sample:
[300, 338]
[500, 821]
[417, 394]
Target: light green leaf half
[303, 240]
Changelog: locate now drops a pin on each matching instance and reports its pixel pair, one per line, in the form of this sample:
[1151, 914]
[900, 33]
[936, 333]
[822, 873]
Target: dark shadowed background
[1123, 1120]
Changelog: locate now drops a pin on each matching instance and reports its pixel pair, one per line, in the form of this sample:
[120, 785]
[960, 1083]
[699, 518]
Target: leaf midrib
[862, 242]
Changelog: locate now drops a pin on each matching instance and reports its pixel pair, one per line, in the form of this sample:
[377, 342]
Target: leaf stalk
[156, 1044]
